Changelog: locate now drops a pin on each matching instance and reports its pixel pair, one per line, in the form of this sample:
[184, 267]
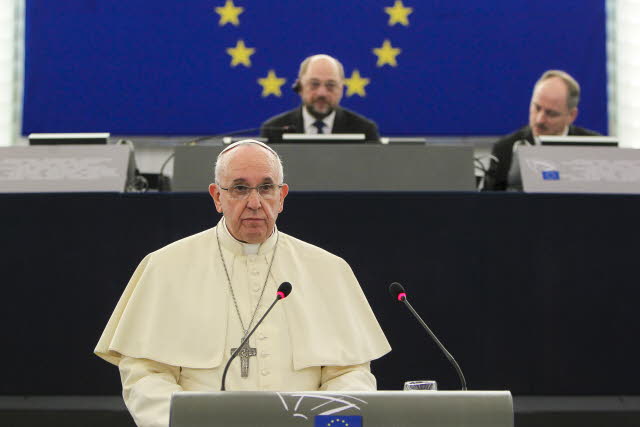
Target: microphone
[397, 292]
[284, 128]
[274, 133]
[219, 135]
[283, 291]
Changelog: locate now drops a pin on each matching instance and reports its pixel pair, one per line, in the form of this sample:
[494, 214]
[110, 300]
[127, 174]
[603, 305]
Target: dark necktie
[319, 124]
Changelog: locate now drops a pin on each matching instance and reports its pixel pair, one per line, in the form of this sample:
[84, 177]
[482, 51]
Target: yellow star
[240, 54]
[271, 84]
[398, 14]
[355, 84]
[229, 13]
[387, 54]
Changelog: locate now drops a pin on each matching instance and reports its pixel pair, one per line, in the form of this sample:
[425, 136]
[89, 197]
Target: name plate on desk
[579, 169]
[63, 168]
[346, 167]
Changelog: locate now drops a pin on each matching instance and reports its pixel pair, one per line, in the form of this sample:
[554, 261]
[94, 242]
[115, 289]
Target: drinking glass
[421, 385]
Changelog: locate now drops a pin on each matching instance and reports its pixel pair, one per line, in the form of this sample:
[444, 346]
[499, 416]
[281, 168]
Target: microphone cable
[200, 139]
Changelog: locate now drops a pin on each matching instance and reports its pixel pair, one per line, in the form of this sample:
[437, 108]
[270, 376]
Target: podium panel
[346, 167]
[317, 408]
[580, 169]
[64, 168]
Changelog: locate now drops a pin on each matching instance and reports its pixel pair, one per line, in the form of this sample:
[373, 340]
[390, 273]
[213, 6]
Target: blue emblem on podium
[551, 175]
[338, 421]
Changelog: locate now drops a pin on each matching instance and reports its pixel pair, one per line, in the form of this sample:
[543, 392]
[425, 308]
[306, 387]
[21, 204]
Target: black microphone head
[284, 290]
[397, 291]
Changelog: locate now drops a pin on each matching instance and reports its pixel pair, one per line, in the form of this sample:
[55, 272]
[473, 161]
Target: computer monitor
[328, 138]
[588, 141]
[403, 140]
[68, 138]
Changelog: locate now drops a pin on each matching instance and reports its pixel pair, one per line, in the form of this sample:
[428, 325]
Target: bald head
[304, 66]
[572, 85]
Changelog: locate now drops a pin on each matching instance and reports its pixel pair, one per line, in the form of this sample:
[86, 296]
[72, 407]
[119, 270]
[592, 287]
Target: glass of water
[421, 385]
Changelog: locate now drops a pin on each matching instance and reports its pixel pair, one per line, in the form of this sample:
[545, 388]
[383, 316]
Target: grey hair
[573, 88]
[222, 160]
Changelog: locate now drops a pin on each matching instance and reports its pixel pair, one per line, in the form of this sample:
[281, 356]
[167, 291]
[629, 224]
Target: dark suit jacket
[498, 172]
[346, 121]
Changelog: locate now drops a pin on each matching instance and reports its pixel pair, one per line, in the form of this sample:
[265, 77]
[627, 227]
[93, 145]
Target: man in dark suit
[320, 85]
[553, 109]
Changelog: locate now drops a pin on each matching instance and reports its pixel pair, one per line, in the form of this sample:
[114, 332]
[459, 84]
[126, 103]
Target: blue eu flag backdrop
[210, 66]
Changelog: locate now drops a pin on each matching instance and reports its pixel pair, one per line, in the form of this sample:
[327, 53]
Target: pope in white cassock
[190, 303]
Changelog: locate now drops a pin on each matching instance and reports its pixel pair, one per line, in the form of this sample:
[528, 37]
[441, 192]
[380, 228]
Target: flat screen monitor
[403, 140]
[329, 138]
[584, 141]
[68, 138]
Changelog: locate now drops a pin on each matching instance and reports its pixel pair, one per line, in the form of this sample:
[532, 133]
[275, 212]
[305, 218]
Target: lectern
[316, 408]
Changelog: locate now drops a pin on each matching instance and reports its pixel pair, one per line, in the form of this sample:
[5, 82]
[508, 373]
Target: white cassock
[176, 322]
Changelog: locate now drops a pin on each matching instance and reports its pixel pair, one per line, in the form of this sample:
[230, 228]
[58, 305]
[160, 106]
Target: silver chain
[233, 295]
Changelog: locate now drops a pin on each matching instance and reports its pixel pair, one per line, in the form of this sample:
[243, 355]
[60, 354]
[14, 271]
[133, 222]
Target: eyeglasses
[330, 85]
[266, 191]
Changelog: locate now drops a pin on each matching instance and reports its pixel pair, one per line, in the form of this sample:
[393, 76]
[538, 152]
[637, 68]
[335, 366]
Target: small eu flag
[338, 421]
[551, 175]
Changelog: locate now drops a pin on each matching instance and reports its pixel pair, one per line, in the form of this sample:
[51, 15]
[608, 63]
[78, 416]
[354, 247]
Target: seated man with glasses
[189, 305]
[552, 111]
[320, 85]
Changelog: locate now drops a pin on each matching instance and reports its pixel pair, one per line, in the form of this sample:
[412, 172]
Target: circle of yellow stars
[338, 421]
[271, 84]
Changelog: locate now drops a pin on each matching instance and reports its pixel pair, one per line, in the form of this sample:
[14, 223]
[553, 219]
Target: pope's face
[548, 112]
[250, 219]
[321, 87]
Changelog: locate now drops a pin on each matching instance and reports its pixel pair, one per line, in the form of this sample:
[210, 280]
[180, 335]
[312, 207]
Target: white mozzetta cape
[176, 306]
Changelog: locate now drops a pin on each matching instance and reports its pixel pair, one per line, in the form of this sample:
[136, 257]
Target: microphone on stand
[198, 140]
[283, 291]
[397, 292]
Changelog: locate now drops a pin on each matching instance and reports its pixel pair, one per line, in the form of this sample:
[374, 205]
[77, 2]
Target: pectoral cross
[246, 352]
